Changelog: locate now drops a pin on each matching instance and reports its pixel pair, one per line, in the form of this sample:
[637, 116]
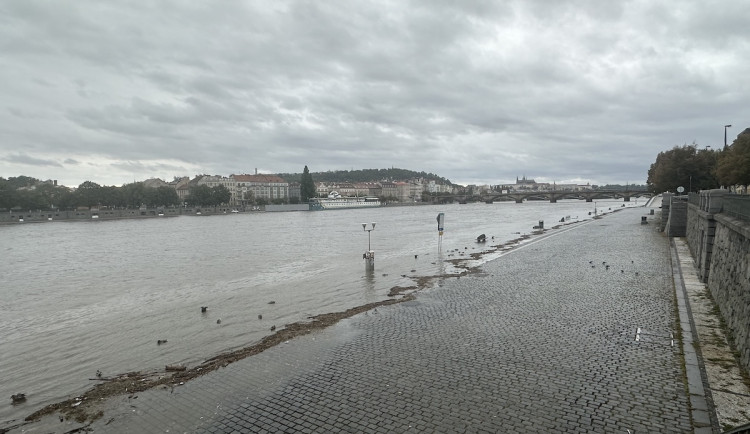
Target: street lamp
[369, 255]
[364, 226]
[725, 134]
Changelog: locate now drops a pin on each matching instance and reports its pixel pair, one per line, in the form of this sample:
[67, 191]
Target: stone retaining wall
[729, 279]
[720, 245]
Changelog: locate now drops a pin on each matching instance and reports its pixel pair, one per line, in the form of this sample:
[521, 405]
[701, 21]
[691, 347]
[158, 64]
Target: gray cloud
[478, 92]
[27, 160]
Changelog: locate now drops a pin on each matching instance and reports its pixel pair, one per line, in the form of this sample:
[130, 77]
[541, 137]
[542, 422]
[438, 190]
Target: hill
[365, 175]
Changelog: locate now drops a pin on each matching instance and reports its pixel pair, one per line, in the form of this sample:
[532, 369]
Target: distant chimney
[256, 170]
[55, 183]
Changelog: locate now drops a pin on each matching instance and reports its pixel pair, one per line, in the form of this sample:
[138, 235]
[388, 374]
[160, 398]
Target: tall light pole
[725, 134]
[369, 255]
[364, 226]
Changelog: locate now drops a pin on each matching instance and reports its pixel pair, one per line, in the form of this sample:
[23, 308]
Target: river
[82, 297]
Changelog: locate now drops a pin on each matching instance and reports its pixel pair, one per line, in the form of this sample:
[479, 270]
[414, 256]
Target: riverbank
[541, 339]
[85, 408]
[463, 262]
[297, 331]
[100, 214]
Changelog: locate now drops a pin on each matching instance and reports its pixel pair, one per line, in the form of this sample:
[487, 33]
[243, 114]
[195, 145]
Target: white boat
[336, 201]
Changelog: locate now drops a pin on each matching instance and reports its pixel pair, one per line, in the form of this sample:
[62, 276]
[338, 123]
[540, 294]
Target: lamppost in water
[369, 255]
[725, 134]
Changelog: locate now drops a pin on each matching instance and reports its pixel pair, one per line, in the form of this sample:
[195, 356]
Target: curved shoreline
[84, 408]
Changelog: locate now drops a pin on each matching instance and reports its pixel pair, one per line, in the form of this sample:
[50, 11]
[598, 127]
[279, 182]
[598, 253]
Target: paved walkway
[544, 339]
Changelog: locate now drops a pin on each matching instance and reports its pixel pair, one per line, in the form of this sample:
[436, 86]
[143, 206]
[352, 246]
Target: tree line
[24, 192]
[695, 168]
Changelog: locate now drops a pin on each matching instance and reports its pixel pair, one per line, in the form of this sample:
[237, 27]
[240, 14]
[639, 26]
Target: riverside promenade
[574, 331]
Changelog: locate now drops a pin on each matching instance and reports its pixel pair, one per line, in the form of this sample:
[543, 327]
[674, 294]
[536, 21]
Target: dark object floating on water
[204, 308]
[99, 373]
[260, 316]
[482, 238]
[218, 321]
[271, 302]
[175, 368]
[273, 328]
[159, 342]
[18, 397]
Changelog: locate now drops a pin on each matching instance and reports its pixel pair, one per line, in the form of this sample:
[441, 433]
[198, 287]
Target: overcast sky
[478, 91]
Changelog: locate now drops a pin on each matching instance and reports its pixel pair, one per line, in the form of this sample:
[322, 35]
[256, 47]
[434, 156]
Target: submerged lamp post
[369, 255]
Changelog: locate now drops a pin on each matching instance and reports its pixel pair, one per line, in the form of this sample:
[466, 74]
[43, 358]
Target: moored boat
[336, 201]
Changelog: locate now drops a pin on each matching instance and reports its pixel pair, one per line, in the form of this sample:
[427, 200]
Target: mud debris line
[84, 408]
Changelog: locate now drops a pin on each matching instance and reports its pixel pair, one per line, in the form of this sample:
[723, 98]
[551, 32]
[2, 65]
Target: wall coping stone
[737, 225]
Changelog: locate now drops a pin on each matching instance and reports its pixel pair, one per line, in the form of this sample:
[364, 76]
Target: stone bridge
[552, 195]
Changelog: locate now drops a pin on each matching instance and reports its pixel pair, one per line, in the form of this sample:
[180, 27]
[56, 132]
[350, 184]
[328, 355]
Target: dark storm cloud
[478, 92]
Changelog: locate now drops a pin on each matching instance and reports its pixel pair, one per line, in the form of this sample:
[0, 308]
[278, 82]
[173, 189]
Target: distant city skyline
[517, 180]
[476, 92]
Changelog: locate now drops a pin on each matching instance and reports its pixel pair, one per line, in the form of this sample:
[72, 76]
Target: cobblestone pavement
[546, 338]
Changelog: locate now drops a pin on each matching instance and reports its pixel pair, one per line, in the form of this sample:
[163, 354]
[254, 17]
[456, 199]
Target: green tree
[684, 166]
[88, 194]
[203, 195]
[307, 185]
[8, 194]
[132, 195]
[220, 195]
[17, 182]
[733, 167]
[200, 195]
[161, 196]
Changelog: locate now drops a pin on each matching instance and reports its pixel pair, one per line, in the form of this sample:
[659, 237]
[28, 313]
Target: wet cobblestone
[542, 340]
